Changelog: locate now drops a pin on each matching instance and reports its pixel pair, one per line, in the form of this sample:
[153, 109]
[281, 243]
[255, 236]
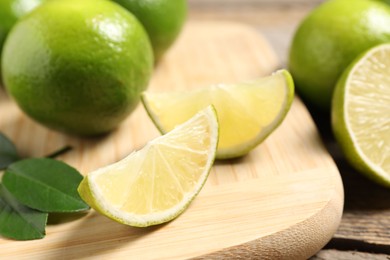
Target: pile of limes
[340, 63]
[80, 66]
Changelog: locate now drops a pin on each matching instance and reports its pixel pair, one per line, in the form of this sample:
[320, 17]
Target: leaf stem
[59, 152]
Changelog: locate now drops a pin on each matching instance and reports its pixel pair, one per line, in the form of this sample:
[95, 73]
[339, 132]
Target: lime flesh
[361, 114]
[157, 183]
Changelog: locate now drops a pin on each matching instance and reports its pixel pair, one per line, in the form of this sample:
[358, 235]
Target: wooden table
[364, 232]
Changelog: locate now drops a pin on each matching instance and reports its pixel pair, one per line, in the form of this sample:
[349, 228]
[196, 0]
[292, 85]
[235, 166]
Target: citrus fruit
[77, 66]
[361, 113]
[157, 183]
[247, 112]
[10, 12]
[327, 41]
[162, 19]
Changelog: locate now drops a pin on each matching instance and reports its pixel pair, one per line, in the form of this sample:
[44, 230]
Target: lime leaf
[45, 184]
[8, 153]
[18, 221]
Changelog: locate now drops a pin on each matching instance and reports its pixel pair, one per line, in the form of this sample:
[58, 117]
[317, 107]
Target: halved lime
[157, 183]
[247, 112]
[361, 113]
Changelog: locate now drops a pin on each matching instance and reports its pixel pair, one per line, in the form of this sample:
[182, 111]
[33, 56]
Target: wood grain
[274, 21]
[366, 219]
[284, 200]
[348, 255]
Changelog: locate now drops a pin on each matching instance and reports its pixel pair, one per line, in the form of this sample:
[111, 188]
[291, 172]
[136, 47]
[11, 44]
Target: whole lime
[327, 41]
[10, 12]
[77, 66]
[162, 19]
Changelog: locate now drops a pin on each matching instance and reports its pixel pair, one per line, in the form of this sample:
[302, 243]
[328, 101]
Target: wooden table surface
[364, 232]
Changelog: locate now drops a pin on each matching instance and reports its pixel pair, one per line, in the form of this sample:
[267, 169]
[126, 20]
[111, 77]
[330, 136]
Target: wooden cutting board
[284, 200]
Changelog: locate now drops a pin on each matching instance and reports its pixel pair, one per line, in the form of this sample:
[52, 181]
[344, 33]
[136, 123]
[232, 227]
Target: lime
[77, 66]
[247, 112]
[162, 19]
[157, 183]
[327, 41]
[361, 113]
[10, 12]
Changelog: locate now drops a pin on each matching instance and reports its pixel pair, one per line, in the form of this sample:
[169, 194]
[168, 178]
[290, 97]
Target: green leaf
[18, 221]
[8, 153]
[45, 184]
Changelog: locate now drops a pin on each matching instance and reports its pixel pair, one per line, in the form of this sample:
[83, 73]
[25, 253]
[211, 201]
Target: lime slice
[157, 183]
[361, 113]
[247, 112]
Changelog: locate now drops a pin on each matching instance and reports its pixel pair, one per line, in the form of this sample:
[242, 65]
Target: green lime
[327, 41]
[10, 12]
[162, 19]
[361, 113]
[77, 66]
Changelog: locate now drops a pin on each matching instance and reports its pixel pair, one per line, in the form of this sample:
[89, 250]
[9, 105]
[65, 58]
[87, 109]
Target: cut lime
[247, 112]
[361, 113]
[157, 183]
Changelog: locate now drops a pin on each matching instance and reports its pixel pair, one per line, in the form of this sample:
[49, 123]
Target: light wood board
[284, 200]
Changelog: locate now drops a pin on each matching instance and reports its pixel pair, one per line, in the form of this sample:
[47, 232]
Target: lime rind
[89, 190]
[341, 127]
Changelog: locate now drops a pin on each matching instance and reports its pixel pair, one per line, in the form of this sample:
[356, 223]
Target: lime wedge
[247, 112]
[157, 183]
[361, 113]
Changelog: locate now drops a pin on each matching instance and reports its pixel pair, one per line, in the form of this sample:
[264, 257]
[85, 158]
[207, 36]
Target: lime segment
[157, 183]
[248, 112]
